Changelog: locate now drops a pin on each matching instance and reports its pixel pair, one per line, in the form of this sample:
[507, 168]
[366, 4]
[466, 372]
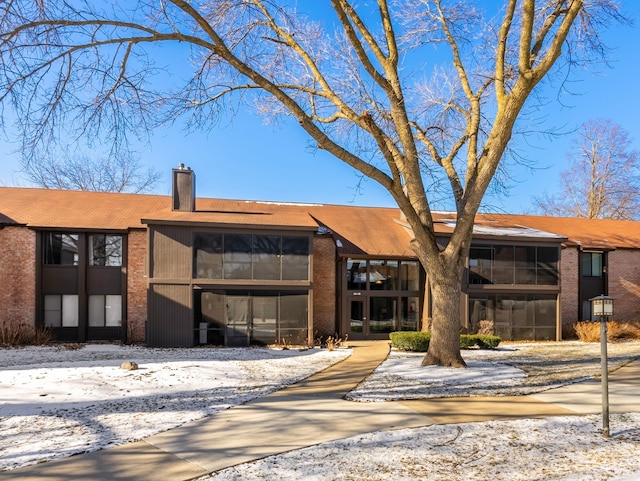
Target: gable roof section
[372, 231]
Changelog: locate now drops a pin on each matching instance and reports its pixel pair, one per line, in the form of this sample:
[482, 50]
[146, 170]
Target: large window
[592, 264]
[266, 251]
[382, 275]
[234, 318]
[382, 311]
[105, 311]
[207, 259]
[295, 258]
[247, 256]
[515, 316]
[356, 274]
[60, 310]
[409, 314]
[60, 249]
[509, 265]
[237, 256]
[410, 276]
[105, 250]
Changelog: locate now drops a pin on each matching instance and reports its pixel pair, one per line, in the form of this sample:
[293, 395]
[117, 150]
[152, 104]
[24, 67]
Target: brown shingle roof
[47, 208]
[365, 230]
[361, 230]
[588, 233]
[239, 213]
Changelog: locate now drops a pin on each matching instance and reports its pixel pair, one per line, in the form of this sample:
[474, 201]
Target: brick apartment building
[180, 271]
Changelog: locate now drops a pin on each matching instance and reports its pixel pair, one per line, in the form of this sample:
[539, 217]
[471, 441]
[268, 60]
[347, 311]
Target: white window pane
[113, 311]
[70, 311]
[96, 311]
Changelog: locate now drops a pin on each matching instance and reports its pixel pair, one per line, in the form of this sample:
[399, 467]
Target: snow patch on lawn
[56, 402]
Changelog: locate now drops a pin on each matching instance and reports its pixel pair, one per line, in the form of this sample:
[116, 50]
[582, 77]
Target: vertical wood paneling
[171, 252]
[170, 316]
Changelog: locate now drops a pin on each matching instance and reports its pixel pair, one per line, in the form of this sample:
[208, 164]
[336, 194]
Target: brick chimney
[184, 189]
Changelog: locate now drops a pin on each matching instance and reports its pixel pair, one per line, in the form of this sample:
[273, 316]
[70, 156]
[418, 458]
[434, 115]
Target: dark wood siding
[170, 315]
[174, 243]
[104, 280]
[60, 280]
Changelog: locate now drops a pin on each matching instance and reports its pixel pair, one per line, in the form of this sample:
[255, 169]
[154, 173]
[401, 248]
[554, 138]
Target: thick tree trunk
[444, 347]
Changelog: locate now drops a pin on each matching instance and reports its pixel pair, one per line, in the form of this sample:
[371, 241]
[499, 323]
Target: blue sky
[245, 158]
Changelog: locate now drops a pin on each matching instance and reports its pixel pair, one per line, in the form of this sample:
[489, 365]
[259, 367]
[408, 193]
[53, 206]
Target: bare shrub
[619, 330]
[334, 342]
[23, 335]
[485, 327]
[12, 334]
[588, 331]
[42, 336]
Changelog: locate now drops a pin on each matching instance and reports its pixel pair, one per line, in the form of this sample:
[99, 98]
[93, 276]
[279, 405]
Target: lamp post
[602, 306]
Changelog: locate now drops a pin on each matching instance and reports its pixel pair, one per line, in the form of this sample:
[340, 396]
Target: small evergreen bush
[410, 341]
[419, 341]
[482, 341]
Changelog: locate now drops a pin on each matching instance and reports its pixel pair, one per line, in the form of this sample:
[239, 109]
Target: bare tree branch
[123, 174]
[355, 81]
[602, 179]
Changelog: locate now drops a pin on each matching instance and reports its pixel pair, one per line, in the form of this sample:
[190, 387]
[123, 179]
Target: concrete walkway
[311, 412]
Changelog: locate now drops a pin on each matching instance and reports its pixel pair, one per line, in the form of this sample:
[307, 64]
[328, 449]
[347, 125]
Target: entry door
[358, 314]
[212, 322]
[371, 317]
[238, 318]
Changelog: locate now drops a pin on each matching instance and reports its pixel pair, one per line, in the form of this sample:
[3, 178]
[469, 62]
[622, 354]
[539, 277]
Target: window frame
[104, 318]
[590, 256]
[252, 257]
[105, 258]
[67, 309]
[493, 267]
[53, 251]
[405, 274]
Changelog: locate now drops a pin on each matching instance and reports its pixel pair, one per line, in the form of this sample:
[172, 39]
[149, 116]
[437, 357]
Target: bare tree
[602, 180]
[123, 173]
[410, 93]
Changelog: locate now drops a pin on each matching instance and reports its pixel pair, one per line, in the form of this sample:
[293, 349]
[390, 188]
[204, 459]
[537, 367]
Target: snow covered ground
[561, 448]
[55, 402]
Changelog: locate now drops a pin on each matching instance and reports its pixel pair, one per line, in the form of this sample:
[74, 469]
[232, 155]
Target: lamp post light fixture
[602, 306]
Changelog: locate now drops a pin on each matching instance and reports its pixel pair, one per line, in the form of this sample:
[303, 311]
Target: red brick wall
[17, 277]
[569, 285]
[136, 286]
[624, 283]
[324, 286]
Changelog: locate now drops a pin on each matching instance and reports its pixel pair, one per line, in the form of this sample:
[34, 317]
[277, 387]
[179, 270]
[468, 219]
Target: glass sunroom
[514, 287]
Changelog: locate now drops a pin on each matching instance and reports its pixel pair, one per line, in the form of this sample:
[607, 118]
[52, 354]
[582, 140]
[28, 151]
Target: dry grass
[555, 363]
[12, 335]
[616, 330]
